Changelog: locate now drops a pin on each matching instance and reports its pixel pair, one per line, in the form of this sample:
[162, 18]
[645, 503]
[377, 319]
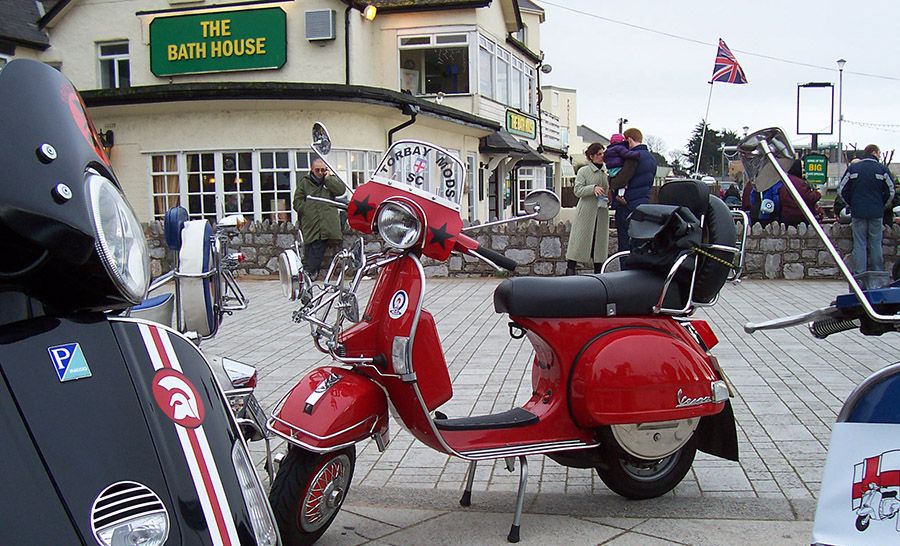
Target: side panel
[331, 407]
[645, 374]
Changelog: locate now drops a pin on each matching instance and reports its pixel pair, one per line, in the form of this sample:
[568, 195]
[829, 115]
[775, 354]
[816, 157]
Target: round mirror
[543, 203]
[757, 166]
[321, 142]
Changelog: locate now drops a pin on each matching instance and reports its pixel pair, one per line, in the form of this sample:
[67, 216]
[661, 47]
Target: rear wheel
[308, 491]
[638, 478]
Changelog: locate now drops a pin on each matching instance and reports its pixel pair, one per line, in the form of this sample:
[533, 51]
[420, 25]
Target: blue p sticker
[69, 362]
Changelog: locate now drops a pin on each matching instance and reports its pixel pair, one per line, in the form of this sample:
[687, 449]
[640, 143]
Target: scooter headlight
[399, 225]
[120, 238]
[254, 499]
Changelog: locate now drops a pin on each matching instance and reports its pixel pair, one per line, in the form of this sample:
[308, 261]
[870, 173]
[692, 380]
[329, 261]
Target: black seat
[632, 292]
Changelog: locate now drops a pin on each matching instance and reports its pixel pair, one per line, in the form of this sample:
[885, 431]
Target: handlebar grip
[821, 329]
[499, 259]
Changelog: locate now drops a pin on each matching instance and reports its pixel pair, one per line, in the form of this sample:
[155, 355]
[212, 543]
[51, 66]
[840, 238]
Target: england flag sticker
[69, 362]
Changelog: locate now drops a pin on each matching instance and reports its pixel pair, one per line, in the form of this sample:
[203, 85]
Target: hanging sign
[222, 41]
[519, 124]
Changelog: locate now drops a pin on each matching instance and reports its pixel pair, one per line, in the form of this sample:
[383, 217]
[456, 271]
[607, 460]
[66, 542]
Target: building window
[237, 183]
[530, 89]
[164, 180]
[275, 188]
[503, 58]
[486, 53]
[435, 63]
[201, 182]
[519, 34]
[472, 168]
[115, 71]
[515, 84]
[526, 178]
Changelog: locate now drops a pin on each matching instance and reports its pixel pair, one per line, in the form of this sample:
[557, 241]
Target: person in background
[791, 214]
[638, 190]
[732, 196]
[320, 222]
[867, 188]
[589, 239]
[620, 164]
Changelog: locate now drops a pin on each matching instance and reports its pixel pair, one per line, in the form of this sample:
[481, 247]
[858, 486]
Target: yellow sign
[518, 123]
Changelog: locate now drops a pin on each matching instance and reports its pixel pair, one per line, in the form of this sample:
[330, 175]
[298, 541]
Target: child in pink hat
[615, 158]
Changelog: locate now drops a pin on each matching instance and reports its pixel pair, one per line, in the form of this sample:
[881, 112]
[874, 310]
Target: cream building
[209, 103]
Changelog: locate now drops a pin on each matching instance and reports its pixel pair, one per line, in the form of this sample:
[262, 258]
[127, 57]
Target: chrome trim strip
[274, 419]
[530, 449]
[308, 447]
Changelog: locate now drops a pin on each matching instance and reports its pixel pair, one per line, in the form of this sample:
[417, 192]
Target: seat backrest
[687, 192]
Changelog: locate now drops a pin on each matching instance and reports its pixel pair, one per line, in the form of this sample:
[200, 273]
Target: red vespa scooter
[622, 378]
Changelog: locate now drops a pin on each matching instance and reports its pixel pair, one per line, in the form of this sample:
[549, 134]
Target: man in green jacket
[320, 223]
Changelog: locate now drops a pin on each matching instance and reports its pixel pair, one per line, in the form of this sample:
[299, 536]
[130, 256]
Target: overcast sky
[660, 82]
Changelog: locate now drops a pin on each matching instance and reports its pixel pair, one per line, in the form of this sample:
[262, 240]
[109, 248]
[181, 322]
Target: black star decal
[363, 208]
[440, 235]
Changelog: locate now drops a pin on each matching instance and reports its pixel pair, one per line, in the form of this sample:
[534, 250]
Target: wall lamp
[107, 139]
[369, 12]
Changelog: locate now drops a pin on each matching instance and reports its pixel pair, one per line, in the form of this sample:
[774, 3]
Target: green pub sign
[815, 168]
[519, 124]
[221, 41]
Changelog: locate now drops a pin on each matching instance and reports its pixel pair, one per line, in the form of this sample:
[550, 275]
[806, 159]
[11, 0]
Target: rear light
[704, 332]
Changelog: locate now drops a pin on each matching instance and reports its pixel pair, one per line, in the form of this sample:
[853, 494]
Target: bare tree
[655, 143]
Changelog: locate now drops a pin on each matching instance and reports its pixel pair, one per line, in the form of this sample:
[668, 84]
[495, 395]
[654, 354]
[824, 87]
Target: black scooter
[114, 429]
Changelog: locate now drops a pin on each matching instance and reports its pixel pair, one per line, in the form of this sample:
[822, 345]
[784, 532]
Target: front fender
[329, 409]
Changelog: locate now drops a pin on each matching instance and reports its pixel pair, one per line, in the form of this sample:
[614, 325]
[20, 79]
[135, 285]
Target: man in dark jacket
[867, 187]
[638, 190]
[320, 222]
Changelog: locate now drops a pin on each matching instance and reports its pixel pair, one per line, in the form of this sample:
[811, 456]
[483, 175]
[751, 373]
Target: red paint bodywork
[351, 410]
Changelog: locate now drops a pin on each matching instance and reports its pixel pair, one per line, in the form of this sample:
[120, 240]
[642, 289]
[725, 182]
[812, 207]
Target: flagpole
[703, 132]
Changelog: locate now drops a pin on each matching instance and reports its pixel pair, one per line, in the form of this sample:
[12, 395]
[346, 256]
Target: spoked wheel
[308, 491]
[639, 478]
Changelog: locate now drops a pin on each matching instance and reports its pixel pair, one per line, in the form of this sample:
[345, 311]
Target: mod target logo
[399, 303]
[178, 398]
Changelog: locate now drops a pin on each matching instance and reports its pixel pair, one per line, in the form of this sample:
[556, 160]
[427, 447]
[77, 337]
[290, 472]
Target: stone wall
[773, 252]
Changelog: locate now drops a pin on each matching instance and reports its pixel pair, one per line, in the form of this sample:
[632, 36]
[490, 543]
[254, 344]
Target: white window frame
[115, 58]
[431, 39]
[488, 47]
[526, 181]
[505, 63]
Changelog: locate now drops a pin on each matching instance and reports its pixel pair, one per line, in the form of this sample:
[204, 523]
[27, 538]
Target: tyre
[638, 479]
[862, 523]
[308, 491]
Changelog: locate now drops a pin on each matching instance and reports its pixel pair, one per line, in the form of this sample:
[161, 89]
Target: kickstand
[520, 500]
[466, 499]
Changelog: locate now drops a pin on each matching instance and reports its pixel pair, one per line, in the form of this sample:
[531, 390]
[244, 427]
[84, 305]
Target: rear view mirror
[321, 142]
[757, 167]
[544, 204]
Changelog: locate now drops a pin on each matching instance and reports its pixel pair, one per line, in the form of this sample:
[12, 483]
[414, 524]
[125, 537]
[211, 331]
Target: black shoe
[570, 271]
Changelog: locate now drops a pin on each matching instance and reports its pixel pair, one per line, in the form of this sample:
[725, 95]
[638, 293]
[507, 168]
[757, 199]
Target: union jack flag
[727, 68]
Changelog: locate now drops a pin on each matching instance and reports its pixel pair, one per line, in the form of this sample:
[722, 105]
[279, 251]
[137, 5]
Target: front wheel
[308, 491]
[862, 523]
[638, 479]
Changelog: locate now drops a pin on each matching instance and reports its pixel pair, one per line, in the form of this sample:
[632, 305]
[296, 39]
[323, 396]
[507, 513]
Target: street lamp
[622, 121]
[840, 63]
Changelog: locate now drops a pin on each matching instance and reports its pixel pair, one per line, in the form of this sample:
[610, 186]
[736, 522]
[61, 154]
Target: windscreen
[425, 167]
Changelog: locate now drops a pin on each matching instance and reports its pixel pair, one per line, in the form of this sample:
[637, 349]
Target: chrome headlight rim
[412, 233]
[119, 237]
[289, 266]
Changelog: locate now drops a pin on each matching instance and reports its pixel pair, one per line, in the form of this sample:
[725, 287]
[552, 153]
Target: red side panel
[642, 372]
[351, 409]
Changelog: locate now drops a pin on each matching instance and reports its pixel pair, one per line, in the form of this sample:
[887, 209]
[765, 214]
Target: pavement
[789, 388]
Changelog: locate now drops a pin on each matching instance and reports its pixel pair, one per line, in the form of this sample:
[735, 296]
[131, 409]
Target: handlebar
[495, 257]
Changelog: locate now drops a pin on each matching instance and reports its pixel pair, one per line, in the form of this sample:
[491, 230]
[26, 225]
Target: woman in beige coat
[589, 239]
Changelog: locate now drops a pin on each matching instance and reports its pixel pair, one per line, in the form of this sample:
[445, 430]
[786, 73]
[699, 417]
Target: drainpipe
[409, 109]
[347, 42]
